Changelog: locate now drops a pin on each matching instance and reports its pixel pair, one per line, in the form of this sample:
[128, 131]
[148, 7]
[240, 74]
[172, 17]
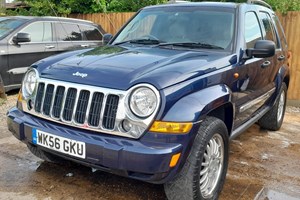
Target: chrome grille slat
[82, 103]
[110, 112]
[95, 109]
[58, 102]
[69, 104]
[48, 99]
[39, 97]
[52, 101]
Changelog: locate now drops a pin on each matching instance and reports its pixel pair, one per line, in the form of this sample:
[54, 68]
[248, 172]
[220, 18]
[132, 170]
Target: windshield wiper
[191, 45]
[140, 41]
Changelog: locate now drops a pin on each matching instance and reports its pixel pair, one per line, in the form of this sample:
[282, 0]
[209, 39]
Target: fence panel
[111, 22]
[291, 26]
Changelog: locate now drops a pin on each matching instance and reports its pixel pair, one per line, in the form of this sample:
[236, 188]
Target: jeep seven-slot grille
[81, 107]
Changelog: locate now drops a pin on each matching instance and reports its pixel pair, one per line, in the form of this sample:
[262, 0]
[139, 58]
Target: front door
[23, 55]
[256, 76]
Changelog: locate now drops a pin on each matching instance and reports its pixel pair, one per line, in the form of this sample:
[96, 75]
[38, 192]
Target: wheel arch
[212, 101]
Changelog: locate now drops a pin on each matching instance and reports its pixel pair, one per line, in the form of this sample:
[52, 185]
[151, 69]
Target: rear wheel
[203, 174]
[273, 119]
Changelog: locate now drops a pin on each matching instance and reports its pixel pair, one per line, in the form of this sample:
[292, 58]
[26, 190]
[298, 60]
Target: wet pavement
[263, 165]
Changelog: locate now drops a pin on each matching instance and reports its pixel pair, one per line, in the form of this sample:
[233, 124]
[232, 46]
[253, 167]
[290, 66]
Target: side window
[90, 32]
[68, 32]
[39, 31]
[280, 32]
[252, 29]
[270, 33]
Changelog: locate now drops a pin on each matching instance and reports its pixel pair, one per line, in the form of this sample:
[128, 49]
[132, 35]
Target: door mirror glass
[107, 37]
[262, 49]
[21, 37]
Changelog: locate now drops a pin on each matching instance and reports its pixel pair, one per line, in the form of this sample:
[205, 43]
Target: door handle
[84, 45]
[281, 58]
[265, 64]
[49, 47]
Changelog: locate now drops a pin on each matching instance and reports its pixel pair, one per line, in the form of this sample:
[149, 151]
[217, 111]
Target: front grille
[77, 106]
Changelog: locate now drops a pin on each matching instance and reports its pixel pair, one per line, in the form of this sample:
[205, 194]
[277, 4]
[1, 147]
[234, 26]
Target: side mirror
[21, 37]
[262, 49]
[107, 37]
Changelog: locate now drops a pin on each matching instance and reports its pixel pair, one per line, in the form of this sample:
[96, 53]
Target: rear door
[71, 36]
[22, 55]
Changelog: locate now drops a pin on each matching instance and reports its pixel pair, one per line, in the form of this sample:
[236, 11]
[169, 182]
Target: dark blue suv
[162, 99]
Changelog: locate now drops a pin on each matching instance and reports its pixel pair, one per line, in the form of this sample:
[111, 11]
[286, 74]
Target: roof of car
[211, 4]
[50, 18]
[202, 4]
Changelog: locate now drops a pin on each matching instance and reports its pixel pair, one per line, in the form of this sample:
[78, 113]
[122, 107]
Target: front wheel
[203, 174]
[273, 119]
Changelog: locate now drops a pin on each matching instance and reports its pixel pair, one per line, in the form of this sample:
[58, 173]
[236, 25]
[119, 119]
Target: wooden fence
[111, 22]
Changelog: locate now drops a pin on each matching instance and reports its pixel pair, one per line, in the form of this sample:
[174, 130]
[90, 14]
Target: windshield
[181, 25]
[8, 25]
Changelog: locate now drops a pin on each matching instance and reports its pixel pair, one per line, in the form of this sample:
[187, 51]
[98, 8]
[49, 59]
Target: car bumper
[139, 159]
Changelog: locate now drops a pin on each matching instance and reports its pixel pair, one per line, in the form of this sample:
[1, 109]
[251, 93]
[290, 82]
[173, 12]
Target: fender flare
[195, 106]
[282, 75]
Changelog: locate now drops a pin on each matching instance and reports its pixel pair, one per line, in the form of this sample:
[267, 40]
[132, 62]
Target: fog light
[126, 125]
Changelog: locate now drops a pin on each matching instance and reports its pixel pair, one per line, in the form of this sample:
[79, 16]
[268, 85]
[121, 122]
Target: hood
[120, 68]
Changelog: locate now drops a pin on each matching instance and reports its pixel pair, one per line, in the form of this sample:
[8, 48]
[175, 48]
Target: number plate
[60, 144]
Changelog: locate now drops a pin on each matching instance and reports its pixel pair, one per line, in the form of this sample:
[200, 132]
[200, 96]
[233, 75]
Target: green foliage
[285, 5]
[65, 7]
[278, 5]
[130, 5]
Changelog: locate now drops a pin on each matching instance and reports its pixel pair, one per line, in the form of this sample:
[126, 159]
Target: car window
[280, 32]
[252, 29]
[91, 32]
[39, 31]
[8, 25]
[269, 33]
[182, 25]
[68, 32]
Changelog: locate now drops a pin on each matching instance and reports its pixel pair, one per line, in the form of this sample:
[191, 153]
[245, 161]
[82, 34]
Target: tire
[45, 155]
[273, 119]
[186, 185]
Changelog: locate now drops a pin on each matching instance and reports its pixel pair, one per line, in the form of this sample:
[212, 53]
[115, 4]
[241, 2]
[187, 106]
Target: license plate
[57, 143]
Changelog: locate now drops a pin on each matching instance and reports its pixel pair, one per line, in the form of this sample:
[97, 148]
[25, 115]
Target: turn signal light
[20, 96]
[171, 127]
[174, 160]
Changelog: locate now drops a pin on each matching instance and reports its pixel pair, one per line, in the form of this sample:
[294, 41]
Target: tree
[65, 7]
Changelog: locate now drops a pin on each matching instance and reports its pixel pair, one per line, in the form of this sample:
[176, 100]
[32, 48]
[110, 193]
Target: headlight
[143, 102]
[29, 82]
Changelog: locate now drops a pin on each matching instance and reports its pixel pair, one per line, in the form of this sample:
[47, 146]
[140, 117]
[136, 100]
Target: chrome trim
[264, 97]
[123, 111]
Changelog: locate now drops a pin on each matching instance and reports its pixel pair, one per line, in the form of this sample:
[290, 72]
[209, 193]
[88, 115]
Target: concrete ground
[263, 165]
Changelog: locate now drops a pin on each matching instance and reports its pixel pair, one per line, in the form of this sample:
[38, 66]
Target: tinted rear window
[68, 32]
[91, 32]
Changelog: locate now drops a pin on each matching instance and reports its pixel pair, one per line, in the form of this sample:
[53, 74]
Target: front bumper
[142, 159]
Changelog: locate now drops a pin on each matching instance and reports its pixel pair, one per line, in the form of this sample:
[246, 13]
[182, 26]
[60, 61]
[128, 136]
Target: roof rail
[176, 1]
[259, 2]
